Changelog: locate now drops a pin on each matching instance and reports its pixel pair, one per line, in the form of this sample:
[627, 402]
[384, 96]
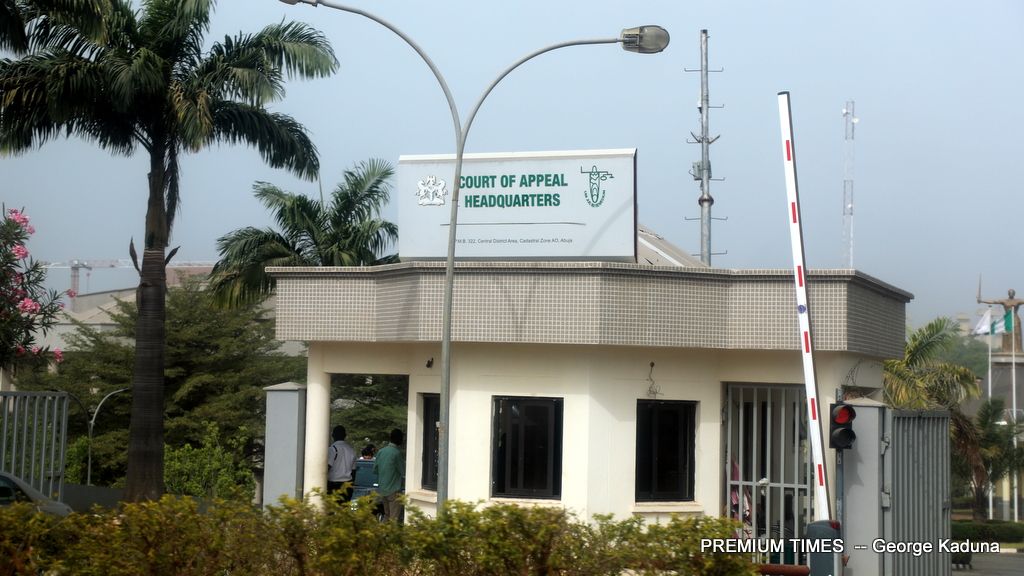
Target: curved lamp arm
[430, 63]
[643, 40]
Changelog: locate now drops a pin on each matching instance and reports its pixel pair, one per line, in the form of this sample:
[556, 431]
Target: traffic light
[841, 434]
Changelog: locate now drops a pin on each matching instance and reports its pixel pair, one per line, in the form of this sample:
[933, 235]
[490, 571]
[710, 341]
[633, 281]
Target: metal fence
[768, 473]
[33, 438]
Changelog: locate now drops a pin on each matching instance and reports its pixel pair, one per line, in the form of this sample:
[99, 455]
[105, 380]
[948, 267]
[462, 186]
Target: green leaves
[921, 380]
[345, 232]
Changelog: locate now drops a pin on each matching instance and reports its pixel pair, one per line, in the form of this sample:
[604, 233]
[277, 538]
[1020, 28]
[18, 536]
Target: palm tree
[998, 455]
[346, 232]
[921, 381]
[147, 82]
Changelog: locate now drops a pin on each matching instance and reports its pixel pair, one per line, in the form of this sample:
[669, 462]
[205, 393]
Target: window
[431, 416]
[665, 432]
[526, 447]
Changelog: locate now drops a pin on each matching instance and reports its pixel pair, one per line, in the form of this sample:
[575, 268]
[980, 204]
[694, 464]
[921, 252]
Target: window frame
[502, 456]
[648, 414]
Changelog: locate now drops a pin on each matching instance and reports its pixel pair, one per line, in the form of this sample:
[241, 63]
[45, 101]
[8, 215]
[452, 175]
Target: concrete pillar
[318, 420]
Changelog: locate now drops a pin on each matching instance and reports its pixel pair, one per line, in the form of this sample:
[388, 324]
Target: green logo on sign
[595, 194]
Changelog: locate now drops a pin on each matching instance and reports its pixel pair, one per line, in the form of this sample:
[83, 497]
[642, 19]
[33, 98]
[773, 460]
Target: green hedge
[988, 531]
[173, 537]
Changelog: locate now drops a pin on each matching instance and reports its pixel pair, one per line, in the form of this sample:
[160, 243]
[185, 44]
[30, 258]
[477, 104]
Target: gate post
[285, 440]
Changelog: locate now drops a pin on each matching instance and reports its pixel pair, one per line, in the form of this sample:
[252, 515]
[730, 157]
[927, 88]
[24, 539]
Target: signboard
[575, 205]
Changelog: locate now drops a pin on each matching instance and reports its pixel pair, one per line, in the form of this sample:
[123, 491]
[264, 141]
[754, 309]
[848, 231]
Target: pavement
[1002, 564]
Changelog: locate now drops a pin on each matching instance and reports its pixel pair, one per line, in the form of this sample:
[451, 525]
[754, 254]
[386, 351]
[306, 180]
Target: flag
[999, 326]
[984, 325]
[1008, 320]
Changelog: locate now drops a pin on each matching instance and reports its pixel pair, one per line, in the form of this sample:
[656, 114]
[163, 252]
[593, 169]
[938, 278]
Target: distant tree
[207, 470]
[998, 455]
[347, 231]
[369, 406]
[218, 362]
[967, 351]
[146, 81]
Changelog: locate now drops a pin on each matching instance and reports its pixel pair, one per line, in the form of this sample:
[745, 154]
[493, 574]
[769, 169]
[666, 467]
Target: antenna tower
[850, 122]
[701, 171]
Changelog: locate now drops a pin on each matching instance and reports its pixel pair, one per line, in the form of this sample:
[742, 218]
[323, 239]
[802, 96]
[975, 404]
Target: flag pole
[1013, 384]
[989, 338]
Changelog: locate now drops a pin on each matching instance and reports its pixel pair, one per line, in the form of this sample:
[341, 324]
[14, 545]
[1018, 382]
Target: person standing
[390, 469]
[341, 461]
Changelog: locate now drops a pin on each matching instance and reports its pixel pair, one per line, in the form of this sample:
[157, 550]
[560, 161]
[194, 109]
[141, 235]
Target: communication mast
[850, 122]
[701, 171]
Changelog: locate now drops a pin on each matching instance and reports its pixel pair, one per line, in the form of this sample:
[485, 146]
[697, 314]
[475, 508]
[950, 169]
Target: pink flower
[21, 219]
[36, 350]
[29, 306]
[20, 252]
[20, 350]
[72, 293]
[18, 217]
[58, 355]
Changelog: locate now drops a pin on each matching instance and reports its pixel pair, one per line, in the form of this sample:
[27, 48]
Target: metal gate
[917, 477]
[33, 437]
[767, 465]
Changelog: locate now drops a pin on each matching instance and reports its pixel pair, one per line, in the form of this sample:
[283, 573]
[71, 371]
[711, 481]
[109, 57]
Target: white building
[605, 387]
[609, 377]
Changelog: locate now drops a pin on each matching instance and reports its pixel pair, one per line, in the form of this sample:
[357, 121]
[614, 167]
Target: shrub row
[989, 531]
[173, 537]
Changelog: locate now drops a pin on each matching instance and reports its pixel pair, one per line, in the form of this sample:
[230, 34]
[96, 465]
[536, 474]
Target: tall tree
[347, 231]
[148, 82]
[921, 380]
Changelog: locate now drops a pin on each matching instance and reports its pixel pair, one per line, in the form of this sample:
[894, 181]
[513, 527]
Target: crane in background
[77, 266]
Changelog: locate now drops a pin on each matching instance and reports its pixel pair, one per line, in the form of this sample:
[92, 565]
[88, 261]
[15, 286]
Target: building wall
[600, 386]
[596, 303]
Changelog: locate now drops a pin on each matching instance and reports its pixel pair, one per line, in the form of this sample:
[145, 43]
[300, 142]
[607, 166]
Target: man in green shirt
[390, 469]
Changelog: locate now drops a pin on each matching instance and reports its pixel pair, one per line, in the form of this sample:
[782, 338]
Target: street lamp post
[92, 423]
[642, 40]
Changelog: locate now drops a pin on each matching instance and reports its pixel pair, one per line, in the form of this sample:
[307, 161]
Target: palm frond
[297, 49]
[239, 68]
[41, 24]
[13, 34]
[54, 94]
[239, 277]
[362, 193]
[173, 193]
[281, 141]
[173, 28]
[932, 339]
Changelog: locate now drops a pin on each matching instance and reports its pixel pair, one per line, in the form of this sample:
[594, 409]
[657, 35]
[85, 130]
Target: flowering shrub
[26, 308]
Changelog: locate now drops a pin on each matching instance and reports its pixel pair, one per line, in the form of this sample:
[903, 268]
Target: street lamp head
[294, 2]
[644, 39]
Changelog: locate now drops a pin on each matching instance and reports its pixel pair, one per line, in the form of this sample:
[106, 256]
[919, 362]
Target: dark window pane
[527, 447]
[665, 450]
[431, 415]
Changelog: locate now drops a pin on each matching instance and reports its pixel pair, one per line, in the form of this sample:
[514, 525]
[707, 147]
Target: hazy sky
[938, 88]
